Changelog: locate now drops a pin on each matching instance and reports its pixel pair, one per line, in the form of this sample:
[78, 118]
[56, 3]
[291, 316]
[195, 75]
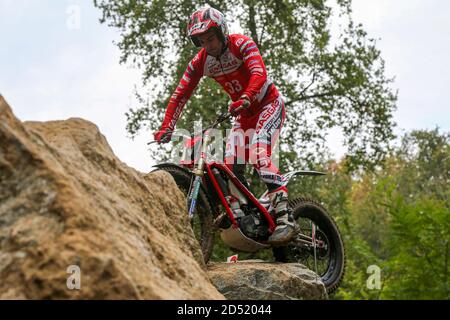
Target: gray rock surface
[248, 280]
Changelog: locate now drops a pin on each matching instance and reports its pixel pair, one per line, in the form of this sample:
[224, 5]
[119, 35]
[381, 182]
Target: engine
[253, 226]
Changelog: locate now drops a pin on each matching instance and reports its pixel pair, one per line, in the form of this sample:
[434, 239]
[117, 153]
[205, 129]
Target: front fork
[198, 173]
[194, 195]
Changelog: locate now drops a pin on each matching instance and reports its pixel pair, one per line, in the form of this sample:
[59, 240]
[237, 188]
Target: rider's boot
[285, 230]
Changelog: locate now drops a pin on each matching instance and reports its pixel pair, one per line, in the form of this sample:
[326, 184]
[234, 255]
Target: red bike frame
[222, 167]
[203, 165]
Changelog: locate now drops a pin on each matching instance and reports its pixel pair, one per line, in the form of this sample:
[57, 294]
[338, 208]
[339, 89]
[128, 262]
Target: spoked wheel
[202, 222]
[327, 256]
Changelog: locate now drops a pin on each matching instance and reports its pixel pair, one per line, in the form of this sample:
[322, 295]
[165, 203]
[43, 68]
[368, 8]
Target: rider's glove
[163, 135]
[243, 102]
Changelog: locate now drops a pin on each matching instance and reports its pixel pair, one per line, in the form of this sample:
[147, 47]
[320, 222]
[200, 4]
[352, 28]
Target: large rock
[65, 199]
[249, 280]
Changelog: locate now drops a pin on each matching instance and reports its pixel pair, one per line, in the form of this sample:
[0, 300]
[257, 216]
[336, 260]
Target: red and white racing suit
[240, 70]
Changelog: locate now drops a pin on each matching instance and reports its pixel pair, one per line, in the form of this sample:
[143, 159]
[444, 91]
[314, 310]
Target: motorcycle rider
[234, 61]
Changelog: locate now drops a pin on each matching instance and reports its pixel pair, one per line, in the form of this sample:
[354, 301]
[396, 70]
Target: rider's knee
[259, 157]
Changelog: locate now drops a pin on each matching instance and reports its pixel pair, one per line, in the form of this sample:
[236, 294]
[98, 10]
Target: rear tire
[333, 270]
[202, 224]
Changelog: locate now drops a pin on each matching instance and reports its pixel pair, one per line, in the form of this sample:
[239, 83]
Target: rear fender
[291, 175]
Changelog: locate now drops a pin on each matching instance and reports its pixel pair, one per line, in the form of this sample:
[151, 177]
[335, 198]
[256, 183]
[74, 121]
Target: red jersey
[239, 70]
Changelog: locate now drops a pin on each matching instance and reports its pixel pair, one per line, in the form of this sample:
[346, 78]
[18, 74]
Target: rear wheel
[328, 256]
[202, 223]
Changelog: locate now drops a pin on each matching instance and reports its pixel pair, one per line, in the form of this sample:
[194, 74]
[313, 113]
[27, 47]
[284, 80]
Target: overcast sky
[55, 66]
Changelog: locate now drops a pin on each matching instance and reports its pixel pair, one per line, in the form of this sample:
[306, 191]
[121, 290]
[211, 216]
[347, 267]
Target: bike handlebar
[219, 120]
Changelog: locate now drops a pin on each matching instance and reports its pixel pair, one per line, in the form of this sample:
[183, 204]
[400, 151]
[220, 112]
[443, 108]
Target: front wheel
[327, 257]
[202, 224]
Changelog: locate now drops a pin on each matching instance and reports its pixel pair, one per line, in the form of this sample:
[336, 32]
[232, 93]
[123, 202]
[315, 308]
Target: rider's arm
[254, 63]
[182, 93]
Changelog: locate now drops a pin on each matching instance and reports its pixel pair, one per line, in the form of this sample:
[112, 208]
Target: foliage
[400, 221]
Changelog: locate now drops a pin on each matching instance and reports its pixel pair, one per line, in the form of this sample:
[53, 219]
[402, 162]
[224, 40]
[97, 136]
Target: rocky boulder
[76, 222]
[250, 280]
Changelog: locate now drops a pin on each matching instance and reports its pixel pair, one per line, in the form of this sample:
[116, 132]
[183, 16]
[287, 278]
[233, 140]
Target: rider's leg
[235, 156]
[239, 172]
[267, 131]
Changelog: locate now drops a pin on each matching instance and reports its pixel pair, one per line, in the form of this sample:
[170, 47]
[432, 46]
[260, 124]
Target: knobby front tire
[202, 223]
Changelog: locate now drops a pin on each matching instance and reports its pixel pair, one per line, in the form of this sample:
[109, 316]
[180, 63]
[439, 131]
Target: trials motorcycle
[210, 187]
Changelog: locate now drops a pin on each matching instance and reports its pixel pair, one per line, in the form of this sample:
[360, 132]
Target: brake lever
[223, 117]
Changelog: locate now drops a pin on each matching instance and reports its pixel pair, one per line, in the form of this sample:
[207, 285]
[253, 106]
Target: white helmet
[205, 19]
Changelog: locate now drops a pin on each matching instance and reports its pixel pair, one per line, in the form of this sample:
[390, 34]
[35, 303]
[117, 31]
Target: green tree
[329, 79]
[400, 216]
[419, 212]
[396, 217]
[419, 250]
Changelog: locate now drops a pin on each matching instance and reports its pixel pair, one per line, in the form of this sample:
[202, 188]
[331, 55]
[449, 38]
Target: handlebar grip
[162, 137]
[241, 108]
